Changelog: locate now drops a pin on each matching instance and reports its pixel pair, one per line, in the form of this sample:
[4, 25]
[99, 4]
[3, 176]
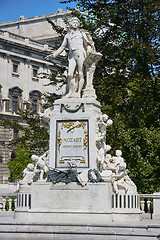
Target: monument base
[72, 203]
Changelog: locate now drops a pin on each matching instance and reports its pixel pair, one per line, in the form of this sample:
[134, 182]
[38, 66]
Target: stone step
[111, 231]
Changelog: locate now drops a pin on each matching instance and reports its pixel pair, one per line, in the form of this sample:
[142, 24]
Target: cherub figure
[41, 162]
[102, 122]
[28, 174]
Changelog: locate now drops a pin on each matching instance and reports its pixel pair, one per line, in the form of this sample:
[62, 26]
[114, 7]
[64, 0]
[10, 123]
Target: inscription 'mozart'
[72, 143]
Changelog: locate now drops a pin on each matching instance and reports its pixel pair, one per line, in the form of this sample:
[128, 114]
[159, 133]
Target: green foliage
[34, 139]
[141, 151]
[34, 130]
[19, 163]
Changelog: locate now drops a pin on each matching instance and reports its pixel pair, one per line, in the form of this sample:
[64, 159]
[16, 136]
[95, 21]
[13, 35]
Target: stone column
[26, 79]
[5, 76]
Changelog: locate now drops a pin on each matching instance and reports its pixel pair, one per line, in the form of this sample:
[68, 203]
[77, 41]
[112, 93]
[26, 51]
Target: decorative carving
[94, 176]
[59, 140]
[77, 108]
[65, 176]
[71, 175]
[85, 140]
[16, 91]
[90, 66]
[72, 125]
[35, 94]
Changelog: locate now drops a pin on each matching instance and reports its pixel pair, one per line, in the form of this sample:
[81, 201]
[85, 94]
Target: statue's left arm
[88, 41]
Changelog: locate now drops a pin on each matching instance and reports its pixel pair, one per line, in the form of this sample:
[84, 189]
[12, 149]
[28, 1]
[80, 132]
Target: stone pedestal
[73, 132]
[61, 203]
[156, 206]
[72, 203]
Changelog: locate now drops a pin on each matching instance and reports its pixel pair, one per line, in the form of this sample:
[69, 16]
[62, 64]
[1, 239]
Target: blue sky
[12, 9]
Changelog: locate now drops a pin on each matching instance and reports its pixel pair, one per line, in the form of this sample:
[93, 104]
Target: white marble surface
[63, 111]
[72, 203]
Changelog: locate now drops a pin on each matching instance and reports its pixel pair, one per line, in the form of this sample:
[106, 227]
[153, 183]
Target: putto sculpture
[28, 174]
[80, 46]
[114, 168]
[38, 170]
[41, 163]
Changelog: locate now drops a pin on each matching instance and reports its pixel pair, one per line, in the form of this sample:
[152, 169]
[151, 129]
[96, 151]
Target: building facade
[23, 45]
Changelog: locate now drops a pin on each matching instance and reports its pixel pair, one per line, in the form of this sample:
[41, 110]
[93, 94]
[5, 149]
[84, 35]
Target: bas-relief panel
[72, 143]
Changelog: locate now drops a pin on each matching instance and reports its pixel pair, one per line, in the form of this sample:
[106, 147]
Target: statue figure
[102, 148]
[80, 45]
[28, 174]
[42, 163]
[119, 172]
[102, 122]
[115, 168]
[121, 178]
[106, 172]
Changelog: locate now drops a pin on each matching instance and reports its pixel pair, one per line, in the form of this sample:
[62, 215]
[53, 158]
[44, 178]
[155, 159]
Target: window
[34, 105]
[15, 68]
[13, 155]
[15, 95]
[35, 97]
[14, 104]
[15, 134]
[34, 73]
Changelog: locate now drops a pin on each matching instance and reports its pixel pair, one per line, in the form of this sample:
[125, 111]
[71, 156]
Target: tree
[33, 140]
[127, 33]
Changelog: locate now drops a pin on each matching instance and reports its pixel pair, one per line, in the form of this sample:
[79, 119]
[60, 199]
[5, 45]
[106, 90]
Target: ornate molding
[72, 110]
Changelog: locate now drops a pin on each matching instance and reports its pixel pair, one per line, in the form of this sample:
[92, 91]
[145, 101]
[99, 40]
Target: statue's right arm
[61, 49]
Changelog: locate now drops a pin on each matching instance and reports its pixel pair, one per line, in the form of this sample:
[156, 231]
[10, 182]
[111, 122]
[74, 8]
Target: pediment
[36, 94]
[16, 91]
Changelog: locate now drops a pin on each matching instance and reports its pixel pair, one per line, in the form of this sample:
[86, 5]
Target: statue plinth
[72, 133]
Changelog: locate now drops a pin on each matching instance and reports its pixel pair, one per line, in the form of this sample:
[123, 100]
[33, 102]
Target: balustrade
[8, 203]
[125, 201]
[149, 204]
[24, 200]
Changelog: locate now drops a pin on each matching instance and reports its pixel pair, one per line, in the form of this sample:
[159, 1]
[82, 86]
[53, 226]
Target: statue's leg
[80, 62]
[115, 187]
[41, 174]
[121, 184]
[71, 80]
